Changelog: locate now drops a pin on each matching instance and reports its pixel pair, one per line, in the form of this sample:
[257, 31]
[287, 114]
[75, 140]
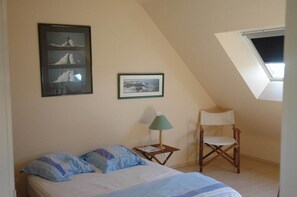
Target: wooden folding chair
[221, 145]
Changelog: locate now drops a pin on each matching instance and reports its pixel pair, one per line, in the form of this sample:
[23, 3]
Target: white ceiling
[191, 25]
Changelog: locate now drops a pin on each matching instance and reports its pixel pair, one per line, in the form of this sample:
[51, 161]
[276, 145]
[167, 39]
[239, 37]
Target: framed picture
[65, 59]
[140, 85]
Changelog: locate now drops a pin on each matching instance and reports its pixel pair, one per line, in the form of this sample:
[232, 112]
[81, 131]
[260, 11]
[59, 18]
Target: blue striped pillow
[112, 158]
[57, 167]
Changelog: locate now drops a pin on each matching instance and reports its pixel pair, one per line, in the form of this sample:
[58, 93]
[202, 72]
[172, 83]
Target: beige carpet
[257, 178]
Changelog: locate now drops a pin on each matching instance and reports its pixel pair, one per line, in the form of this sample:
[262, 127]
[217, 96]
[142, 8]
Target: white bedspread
[92, 184]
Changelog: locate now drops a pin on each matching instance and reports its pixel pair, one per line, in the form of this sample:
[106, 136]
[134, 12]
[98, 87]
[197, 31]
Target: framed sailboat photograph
[65, 59]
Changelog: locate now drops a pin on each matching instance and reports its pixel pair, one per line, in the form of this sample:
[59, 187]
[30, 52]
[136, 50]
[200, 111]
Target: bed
[114, 183]
[96, 184]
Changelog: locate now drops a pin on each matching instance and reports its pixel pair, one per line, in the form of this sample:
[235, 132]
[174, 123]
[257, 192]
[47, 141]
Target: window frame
[248, 35]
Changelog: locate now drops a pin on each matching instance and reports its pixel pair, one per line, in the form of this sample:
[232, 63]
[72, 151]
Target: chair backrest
[221, 118]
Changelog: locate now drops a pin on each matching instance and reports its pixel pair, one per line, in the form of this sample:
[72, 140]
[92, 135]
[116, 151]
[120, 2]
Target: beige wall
[190, 26]
[124, 39]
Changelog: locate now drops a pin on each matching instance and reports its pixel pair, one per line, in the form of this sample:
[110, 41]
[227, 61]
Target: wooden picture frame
[140, 85]
[65, 59]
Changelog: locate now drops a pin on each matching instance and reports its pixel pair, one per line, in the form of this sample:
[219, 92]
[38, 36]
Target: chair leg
[235, 158]
[201, 140]
[238, 159]
[235, 155]
[201, 157]
[237, 138]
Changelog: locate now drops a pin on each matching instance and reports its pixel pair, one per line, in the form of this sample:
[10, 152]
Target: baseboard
[184, 164]
[261, 160]
[242, 155]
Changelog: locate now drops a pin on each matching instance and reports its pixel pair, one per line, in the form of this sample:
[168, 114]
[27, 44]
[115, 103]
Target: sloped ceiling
[190, 26]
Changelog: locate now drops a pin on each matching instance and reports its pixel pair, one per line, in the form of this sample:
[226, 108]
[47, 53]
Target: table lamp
[160, 123]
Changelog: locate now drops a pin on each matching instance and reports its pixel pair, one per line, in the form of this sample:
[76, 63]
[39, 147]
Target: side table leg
[148, 156]
[167, 158]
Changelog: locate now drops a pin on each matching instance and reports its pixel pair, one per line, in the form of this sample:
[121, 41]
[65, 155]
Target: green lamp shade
[160, 123]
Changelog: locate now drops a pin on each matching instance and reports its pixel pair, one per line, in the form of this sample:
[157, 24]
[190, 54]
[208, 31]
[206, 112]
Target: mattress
[93, 184]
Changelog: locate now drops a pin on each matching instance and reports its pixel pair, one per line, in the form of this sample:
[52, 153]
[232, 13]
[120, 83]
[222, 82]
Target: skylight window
[277, 70]
[268, 46]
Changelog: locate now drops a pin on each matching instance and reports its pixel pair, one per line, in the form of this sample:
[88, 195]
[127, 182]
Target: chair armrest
[237, 130]
[236, 134]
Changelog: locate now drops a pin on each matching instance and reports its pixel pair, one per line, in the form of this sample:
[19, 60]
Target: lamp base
[161, 146]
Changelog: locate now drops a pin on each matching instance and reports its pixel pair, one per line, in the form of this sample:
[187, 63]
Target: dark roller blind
[271, 49]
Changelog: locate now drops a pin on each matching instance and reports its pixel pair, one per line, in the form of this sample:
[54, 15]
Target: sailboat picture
[65, 59]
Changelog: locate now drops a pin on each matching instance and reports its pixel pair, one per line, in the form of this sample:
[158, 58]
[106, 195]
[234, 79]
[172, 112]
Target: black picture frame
[65, 59]
[140, 85]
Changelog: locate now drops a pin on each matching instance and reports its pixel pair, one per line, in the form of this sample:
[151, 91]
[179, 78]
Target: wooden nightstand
[151, 154]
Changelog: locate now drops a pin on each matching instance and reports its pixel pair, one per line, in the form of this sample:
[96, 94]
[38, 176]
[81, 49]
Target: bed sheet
[191, 184]
[92, 184]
